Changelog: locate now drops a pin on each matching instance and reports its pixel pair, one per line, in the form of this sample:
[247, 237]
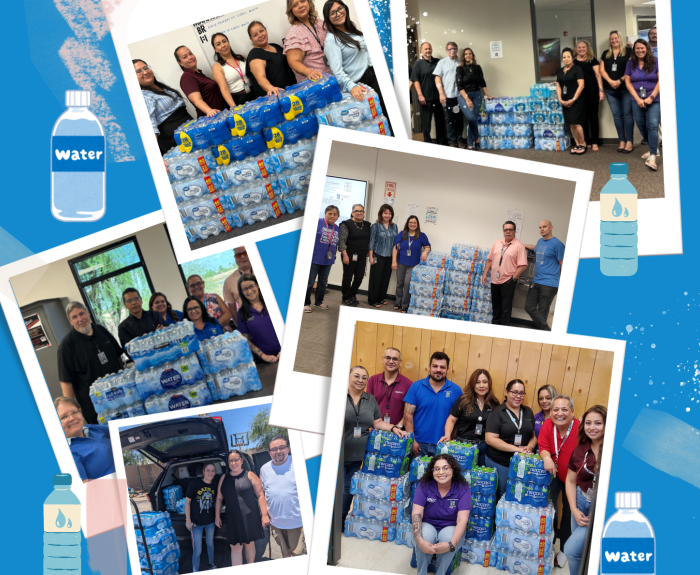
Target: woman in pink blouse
[305, 40]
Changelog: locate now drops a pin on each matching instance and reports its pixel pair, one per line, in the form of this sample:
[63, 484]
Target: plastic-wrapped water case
[428, 275]
[479, 528]
[555, 117]
[453, 314]
[539, 117]
[196, 164]
[404, 534]
[483, 505]
[379, 126]
[529, 467]
[169, 376]
[295, 203]
[258, 213]
[431, 304]
[483, 480]
[466, 454]
[180, 506]
[378, 487]
[479, 552]
[549, 131]
[423, 312]
[499, 104]
[292, 157]
[369, 529]
[519, 564]
[114, 390]
[418, 467]
[520, 118]
[167, 344]
[388, 443]
[158, 519]
[233, 382]
[197, 187]
[385, 465]
[484, 129]
[521, 104]
[163, 537]
[436, 259]
[521, 143]
[224, 351]
[184, 397]
[525, 517]
[158, 551]
[553, 144]
[501, 118]
[172, 494]
[204, 208]
[379, 509]
[424, 290]
[241, 173]
[295, 182]
[536, 104]
[531, 544]
[349, 111]
[527, 493]
[540, 91]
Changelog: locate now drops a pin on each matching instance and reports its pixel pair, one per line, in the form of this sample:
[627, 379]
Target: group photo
[559, 82]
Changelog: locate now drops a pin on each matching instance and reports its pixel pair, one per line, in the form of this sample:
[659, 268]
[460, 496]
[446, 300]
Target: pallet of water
[167, 344]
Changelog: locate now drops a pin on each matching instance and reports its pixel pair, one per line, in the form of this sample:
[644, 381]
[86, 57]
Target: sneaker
[212, 566]
[559, 559]
[348, 302]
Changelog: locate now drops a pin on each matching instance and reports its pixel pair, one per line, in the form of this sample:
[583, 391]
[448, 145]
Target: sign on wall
[496, 48]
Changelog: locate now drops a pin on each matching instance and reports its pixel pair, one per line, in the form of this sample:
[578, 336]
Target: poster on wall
[516, 216]
[36, 332]
[411, 210]
[496, 48]
[389, 193]
[431, 213]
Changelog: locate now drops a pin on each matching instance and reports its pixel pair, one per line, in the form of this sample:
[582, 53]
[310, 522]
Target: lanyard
[388, 395]
[238, 69]
[520, 423]
[330, 234]
[556, 432]
[409, 243]
[313, 32]
[584, 463]
[503, 251]
[356, 409]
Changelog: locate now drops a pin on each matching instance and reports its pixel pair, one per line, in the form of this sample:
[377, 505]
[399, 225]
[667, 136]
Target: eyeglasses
[133, 299]
[196, 285]
[191, 309]
[67, 416]
[140, 71]
[339, 12]
[276, 449]
[518, 393]
[237, 256]
[249, 288]
[508, 229]
[358, 211]
[389, 358]
[446, 468]
[235, 460]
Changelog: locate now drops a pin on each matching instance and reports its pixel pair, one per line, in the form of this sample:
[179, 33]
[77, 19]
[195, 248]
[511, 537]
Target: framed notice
[496, 48]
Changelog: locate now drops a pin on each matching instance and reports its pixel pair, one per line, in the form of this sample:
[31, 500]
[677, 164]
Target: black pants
[167, 127]
[454, 121]
[427, 111]
[591, 127]
[240, 98]
[562, 525]
[379, 278]
[502, 296]
[370, 78]
[539, 298]
[353, 274]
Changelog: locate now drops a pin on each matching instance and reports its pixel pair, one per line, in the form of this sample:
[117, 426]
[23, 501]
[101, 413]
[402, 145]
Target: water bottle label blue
[178, 402]
[78, 154]
[618, 207]
[628, 555]
[61, 518]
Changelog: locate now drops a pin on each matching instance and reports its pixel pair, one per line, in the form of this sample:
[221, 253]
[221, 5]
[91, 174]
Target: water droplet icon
[70, 523]
[60, 519]
[617, 209]
[627, 213]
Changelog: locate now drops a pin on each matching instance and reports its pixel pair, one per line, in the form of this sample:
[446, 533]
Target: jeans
[620, 103]
[564, 531]
[539, 298]
[471, 115]
[353, 274]
[502, 300]
[350, 468]
[379, 278]
[453, 120]
[574, 546]
[432, 536]
[502, 471]
[197, 544]
[403, 281]
[429, 449]
[322, 271]
[427, 111]
[647, 120]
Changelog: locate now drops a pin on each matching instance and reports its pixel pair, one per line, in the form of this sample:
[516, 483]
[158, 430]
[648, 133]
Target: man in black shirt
[140, 322]
[87, 353]
[428, 95]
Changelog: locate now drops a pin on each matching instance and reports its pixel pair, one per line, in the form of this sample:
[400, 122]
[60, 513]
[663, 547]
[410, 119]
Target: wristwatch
[452, 547]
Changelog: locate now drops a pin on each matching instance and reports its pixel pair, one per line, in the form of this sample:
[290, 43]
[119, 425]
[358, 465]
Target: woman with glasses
[381, 241]
[510, 429]
[570, 86]
[201, 90]
[304, 42]
[410, 248]
[472, 411]
[89, 444]
[268, 69]
[205, 327]
[323, 258]
[246, 509]
[592, 92]
[229, 72]
[160, 304]
[471, 86]
[613, 64]
[254, 321]
[165, 106]
[216, 307]
[353, 244]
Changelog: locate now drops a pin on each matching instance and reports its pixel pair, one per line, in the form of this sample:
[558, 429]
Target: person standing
[323, 257]
[390, 387]
[88, 352]
[280, 486]
[652, 42]
[353, 243]
[593, 92]
[201, 90]
[545, 396]
[139, 321]
[255, 323]
[471, 412]
[570, 87]
[229, 72]
[303, 44]
[549, 261]
[427, 405]
[381, 243]
[200, 501]
[510, 429]
[507, 261]
[471, 86]
[160, 304]
[445, 80]
[216, 307]
[428, 95]
[230, 290]
[613, 64]
[410, 248]
[205, 327]
[268, 69]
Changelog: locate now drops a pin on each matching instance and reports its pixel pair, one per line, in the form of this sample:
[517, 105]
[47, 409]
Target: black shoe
[644, 142]
[212, 566]
[348, 302]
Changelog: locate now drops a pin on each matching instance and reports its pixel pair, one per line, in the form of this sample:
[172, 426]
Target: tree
[260, 431]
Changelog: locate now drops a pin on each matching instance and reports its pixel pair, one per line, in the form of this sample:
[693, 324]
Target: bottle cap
[628, 499]
[79, 98]
[619, 168]
[62, 479]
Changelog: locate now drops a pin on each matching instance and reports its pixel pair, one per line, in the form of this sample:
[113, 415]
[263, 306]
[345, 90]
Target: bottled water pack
[296, 181]
[295, 203]
[305, 97]
[349, 112]
[436, 259]
[501, 118]
[300, 154]
[450, 313]
[520, 118]
[252, 117]
[431, 304]
[537, 104]
[500, 105]
[211, 227]
[180, 506]
[457, 304]
[204, 208]
[519, 564]
[114, 390]
[529, 467]
[158, 551]
[378, 509]
[516, 541]
[165, 562]
[369, 529]
[388, 443]
[526, 518]
[479, 552]
[428, 275]
[196, 164]
[518, 130]
[122, 412]
[197, 187]
[480, 306]
[289, 133]
[527, 493]
[555, 117]
[424, 290]
[233, 382]
[483, 480]
[423, 312]
[466, 454]
[472, 277]
[224, 351]
[458, 264]
[469, 252]
[483, 505]
[172, 494]
[418, 467]
[404, 535]
[549, 131]
[482, 317]
[479, 528]
[543, 91]
[237, 149]
[385, 465]
[553, 144]
[257, 213]
[254, 193]
[521, 104]
[168, 344]
[169, 376]
[378, 126]
[158, 519]
[187, 396]
[255, 169]
[163, 537]
[382, 488]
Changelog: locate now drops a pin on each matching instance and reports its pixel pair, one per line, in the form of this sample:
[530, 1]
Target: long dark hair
[406, 231]
[245, 304]
[158, 83]
[177, 59]
[253, 23]
[228, 459]
[600, 410]
[457, 476]
[463, 60]
[466, 402]
[512, 382]
[383, 209]
[648, 61]
[217, 56]
[343, 37]
[169, 308]
[205, 314]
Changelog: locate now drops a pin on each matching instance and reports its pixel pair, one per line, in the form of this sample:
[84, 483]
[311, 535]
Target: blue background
[656, 311]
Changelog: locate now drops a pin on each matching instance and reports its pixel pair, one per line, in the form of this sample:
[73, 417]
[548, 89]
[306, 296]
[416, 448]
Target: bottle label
[61, 518]
[270, 191]
[78, 154]
[628, 555]
[276, 208]
[224, 157]
[296, 107]
[618, 207]
[185, 143]
[373, 107]
[277, 139]
[240, 126]
[262, 168]
[382, 131]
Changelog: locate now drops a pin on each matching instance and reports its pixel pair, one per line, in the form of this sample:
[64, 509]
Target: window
[213, 269]
[104, 274]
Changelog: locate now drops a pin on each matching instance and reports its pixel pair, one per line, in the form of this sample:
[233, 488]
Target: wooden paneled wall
[582, 373]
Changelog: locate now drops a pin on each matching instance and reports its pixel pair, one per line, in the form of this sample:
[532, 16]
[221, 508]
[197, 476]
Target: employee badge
[518, 439]
[102, 357]
[357, 432]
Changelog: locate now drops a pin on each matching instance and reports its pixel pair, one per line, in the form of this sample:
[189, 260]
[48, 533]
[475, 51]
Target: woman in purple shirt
[440, 513]
[254, 321]
[325, 247]
[545, 397]
[642, 81]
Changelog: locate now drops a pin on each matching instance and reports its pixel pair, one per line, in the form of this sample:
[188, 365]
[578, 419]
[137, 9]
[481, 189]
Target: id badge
[102, 357]
[642, 92]
[246, 87]
[354, 257]
[357, 432]
[498, 274]
[479, 428]
[614, 67]
[408, 253]
[329, 255]
[518, 440]
[387, 419]
[563, 90]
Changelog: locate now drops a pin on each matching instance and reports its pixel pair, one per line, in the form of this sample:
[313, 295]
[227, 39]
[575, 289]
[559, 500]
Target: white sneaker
[561, 559]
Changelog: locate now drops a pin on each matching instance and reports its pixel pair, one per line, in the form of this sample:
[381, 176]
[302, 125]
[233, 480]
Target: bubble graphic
[629, 329]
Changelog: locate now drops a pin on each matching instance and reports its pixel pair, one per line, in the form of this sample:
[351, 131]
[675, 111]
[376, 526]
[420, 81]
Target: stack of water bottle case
[159, 537]
[523, 122]
[173, 370]
[449, 285]
[253, 162]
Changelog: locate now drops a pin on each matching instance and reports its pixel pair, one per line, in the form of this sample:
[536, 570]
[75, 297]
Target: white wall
[471, 200]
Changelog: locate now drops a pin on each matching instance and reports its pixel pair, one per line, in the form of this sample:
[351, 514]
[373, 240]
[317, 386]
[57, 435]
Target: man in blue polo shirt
[549, 258]
[427, 405]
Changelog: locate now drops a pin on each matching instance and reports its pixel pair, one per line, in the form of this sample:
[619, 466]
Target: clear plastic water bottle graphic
[618, 224]
[628, 543]
[62, 529]
[78, 162]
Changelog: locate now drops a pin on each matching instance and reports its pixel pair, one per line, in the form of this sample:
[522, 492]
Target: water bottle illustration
[78, 163]
[62, 529]
[628, 544]
[618, 224]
